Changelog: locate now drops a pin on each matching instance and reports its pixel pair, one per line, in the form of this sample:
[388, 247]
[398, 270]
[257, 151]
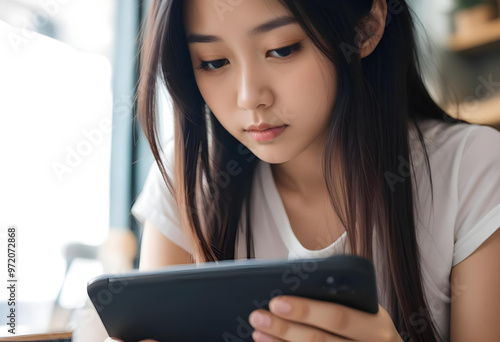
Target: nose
[253, 88]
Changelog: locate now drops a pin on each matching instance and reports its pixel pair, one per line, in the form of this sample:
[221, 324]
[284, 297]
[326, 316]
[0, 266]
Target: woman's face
[262, 77]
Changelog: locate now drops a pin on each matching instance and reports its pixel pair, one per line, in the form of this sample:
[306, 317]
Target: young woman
[303, 129]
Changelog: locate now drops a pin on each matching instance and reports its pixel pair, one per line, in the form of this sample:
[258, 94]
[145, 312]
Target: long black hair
[378, 97]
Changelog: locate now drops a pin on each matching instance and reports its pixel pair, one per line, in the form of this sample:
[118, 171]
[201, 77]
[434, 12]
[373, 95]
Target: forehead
[202, 16]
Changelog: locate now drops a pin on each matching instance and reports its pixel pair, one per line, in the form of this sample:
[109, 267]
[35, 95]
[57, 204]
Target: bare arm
[158, 251]
[475, 303]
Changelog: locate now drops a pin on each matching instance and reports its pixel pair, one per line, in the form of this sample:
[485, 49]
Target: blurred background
[74, 160]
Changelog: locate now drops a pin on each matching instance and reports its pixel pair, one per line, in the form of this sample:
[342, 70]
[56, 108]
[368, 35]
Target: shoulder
[441, 131]
[154, 184]
[167, 155]
[455, 143]
[167, 152]
[439, 134]
[482, 146]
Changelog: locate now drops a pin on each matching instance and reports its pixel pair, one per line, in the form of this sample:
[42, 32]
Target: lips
[262, 127]
[268, 134]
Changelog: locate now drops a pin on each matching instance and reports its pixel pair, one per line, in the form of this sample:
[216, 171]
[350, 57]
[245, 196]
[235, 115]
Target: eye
[288, 51]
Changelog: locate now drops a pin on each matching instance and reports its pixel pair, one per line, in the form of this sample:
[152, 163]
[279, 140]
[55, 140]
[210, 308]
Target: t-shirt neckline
[280, 217]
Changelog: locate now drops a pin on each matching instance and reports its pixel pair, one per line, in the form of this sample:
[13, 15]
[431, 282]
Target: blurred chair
[60, 315]
[117, 255]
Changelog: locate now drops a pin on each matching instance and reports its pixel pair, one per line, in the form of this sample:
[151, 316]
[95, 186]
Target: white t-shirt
[465, 167]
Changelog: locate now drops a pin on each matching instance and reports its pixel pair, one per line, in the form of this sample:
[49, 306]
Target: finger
[280, 328]
[259, 336]
[335, 318]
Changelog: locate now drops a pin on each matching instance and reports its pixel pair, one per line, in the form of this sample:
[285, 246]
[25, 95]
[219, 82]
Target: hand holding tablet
[213, 301]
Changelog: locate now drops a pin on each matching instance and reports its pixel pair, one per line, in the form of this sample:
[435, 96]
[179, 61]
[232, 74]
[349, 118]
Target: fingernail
[260, 337]
[260, 320]
[281, 306]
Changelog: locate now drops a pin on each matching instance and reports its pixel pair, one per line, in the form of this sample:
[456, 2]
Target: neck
[303, 175]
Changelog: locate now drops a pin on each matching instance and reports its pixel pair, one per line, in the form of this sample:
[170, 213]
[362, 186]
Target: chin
[270, 155]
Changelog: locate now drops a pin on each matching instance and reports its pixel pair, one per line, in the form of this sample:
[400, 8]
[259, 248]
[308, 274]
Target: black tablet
[212, 301]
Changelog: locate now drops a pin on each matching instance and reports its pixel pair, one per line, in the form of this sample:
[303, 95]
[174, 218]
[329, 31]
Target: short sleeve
[156, 204]
[478, 214]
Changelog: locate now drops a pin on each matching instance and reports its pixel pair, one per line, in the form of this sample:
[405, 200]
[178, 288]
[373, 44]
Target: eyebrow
[262, 28]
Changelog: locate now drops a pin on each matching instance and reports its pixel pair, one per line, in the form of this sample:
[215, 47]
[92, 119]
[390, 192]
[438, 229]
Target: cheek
[217, 99]
[310, 92]
[213, 96]
[208, 92]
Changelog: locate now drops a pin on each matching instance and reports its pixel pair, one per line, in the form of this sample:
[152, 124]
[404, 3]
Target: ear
[372, 28]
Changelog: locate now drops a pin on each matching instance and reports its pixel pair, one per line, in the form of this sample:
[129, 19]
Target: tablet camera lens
[330, 285]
